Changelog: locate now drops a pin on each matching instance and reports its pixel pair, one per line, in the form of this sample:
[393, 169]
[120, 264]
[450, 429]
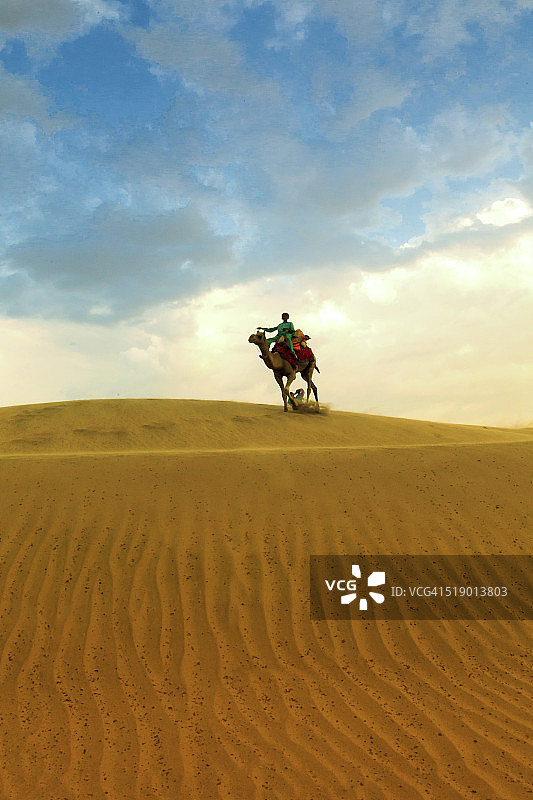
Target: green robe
[285, 329]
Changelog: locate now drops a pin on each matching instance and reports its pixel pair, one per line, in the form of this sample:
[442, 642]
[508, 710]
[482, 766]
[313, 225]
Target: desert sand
[155, 634]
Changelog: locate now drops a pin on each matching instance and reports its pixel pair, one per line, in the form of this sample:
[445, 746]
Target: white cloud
[46, 361]
[378, 288]
[505, 212]
[473, 218]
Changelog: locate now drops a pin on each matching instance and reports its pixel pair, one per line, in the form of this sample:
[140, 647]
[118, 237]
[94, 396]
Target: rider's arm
[269, 330]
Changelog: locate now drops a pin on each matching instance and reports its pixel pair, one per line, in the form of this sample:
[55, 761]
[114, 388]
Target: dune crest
[159, 425]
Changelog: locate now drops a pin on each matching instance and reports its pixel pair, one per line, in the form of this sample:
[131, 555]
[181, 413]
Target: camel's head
[258, 337]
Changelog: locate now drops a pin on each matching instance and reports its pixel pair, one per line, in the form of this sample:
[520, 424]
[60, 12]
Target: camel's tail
[317, 369]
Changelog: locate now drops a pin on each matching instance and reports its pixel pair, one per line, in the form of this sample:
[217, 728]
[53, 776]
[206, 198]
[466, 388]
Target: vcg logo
[350, 587]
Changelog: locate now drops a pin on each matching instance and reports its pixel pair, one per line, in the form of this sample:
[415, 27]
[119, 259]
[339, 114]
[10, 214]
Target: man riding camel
[284, 329]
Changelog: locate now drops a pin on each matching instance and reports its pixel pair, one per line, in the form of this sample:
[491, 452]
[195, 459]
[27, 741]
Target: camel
[283, 368]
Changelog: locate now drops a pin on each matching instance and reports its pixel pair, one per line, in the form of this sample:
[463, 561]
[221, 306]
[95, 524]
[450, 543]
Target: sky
[176, 173]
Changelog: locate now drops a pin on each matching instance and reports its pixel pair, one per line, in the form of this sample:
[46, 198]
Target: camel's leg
[279, 381]
[315, 392]
[311, 385]
[309, 380]
[290, 379]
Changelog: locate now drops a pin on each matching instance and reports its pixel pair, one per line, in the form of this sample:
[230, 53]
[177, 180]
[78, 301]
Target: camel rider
[285, 329]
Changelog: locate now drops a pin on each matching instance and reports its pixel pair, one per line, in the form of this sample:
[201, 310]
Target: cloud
[45, 361]
[123, 263]
[204, 59]
[493, 226]
[463, 141]
[266, 162]
[440, 28]
[374, 89]
[445, 337]
[449, 24]
[508, 211]
[22, 97]
[54, 16]
[526, 156]
[24, 173]
[361, 23]
[44, 24]
[47, 16]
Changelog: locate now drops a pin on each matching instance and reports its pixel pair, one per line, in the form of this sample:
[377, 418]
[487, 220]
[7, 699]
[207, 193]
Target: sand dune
[155, 636]
[162, 425]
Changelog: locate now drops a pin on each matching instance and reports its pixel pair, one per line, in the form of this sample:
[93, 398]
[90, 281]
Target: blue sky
[155, 152]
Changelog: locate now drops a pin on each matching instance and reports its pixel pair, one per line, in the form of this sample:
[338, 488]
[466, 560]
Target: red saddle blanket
[303, 353]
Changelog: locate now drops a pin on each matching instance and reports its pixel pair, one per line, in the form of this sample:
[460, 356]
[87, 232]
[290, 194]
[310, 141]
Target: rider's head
[285, 316]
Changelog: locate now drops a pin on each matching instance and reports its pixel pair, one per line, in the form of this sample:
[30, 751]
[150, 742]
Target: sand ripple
[155, 637]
